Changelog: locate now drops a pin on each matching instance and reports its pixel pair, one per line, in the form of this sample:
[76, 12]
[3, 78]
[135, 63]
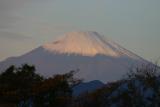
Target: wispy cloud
[13, 35]
[12, 4]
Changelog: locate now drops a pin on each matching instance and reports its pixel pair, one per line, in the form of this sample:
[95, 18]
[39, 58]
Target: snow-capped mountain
[96, 57]
[86, 44]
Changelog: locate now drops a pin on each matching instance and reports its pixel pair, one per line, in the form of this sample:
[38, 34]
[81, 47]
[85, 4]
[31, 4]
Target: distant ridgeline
[22, 87]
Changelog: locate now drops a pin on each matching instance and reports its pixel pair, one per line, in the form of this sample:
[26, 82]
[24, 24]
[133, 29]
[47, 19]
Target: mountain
[86, 44]
[95, 57]
[87, 87]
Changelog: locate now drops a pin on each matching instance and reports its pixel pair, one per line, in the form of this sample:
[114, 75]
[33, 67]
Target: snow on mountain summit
[86, 44]
[97, 58]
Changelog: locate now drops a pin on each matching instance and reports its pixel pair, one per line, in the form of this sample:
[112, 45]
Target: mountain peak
[81, 33]
[104, 59]
[87, 44]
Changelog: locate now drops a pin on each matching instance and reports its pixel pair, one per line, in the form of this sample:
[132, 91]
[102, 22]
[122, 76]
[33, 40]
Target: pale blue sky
[27, 24]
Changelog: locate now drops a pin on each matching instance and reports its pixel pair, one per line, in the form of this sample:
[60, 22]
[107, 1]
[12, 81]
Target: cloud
[17, 16]
[13, 36]
[16, 4]
[12, 4]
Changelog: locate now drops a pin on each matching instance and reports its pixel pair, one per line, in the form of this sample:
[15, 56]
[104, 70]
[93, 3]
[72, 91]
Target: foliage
[16, 83]
[141, 88]
[55, 91]
[21, 86]
[24, 88]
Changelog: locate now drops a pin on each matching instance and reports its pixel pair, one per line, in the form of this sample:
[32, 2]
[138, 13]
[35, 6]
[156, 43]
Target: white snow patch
[87, 44]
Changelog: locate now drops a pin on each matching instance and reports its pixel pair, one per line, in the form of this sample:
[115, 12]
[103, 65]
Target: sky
[27, 24]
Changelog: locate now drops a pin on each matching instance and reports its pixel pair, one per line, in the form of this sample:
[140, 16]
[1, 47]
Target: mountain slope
[86, 44]
[95, 57]
[87, 87]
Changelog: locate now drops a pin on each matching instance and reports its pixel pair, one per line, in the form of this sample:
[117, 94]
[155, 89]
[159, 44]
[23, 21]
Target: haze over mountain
[95, 57]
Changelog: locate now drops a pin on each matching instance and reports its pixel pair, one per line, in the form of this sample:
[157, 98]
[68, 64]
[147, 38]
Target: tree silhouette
[16, 83]
[55, 91]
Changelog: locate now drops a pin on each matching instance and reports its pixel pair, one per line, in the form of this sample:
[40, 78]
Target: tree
[141, 88]
[16, 83]
[55, 91]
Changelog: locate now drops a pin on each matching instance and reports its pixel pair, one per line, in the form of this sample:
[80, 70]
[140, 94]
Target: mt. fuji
[96, 57]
